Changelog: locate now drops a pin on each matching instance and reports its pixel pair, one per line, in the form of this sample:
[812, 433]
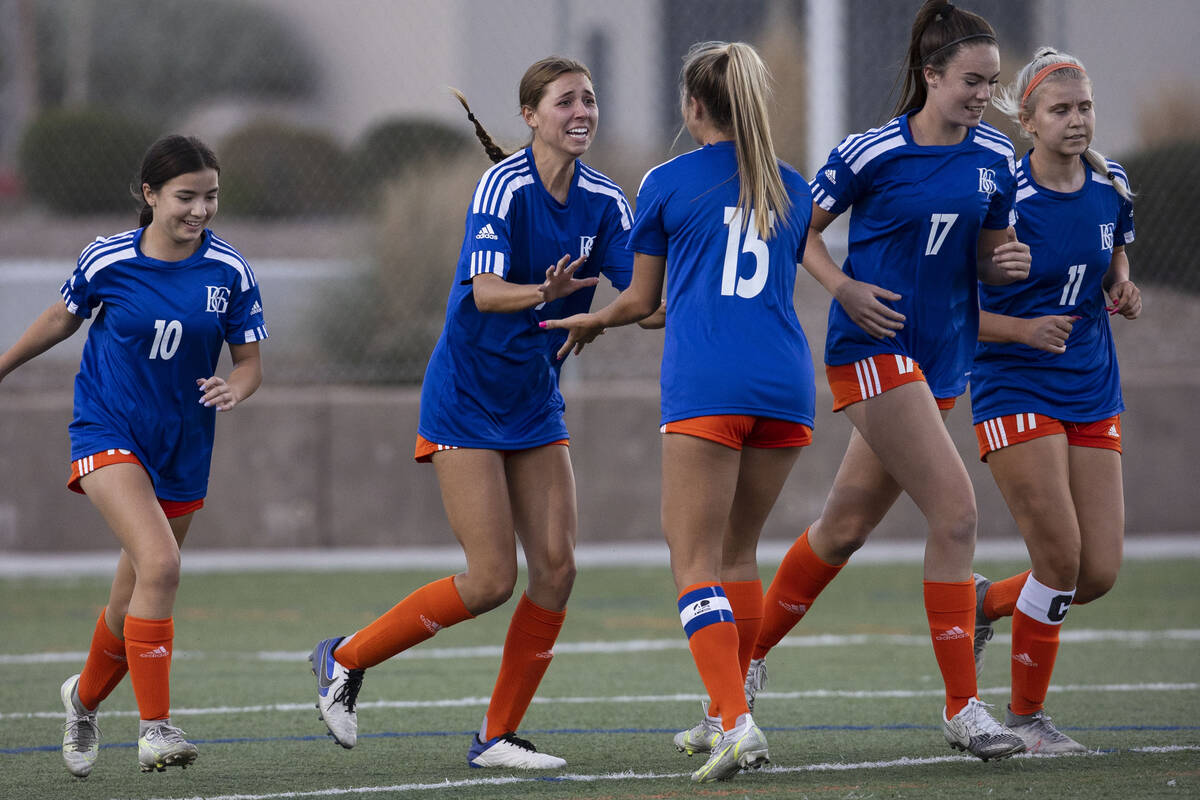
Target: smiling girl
[1045, 388]
[169, 294]
[930, 195]
[492, 416]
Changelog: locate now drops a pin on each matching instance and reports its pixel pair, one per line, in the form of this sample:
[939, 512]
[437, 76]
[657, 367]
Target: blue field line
[902, 726]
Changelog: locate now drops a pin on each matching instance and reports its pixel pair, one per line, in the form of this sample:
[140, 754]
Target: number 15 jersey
[733, 342]
[914, 229]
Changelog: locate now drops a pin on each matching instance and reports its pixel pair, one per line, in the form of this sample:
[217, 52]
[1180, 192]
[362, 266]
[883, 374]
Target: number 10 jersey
[159, 327]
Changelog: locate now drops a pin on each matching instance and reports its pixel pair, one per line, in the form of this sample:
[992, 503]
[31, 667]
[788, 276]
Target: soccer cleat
[701, 738]
[756, 680]
[984, 629]
[81, 734]
[975, 731]
[337, 692]
[162, 746]
[1040, 735]
[743, 747]
[509, 750]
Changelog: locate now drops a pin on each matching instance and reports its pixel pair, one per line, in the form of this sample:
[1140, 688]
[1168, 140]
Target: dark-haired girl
[931, 194]
[492, 416]
[167, 296]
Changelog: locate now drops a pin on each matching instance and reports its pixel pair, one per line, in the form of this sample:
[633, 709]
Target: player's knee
[554, 579]
[1058, 566]
[842, 535]
[158, 572]
[955, 525]
[1094, 585]
[482, 591]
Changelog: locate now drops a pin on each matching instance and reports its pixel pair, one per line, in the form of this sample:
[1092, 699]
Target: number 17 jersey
[914, 229]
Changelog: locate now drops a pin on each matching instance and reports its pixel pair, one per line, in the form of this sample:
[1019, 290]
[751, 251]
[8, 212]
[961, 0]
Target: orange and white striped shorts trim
[82, 466]
[1005, 431]
[743, 430]
[425, 449]
[872, 376]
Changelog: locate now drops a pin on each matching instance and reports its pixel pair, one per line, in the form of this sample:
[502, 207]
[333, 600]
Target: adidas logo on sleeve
[486, 232]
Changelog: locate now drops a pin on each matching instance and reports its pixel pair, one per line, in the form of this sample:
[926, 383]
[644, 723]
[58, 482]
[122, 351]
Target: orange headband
[1043, 72]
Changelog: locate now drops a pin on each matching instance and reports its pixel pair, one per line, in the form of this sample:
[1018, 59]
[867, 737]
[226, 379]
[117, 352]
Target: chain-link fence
[347, 165]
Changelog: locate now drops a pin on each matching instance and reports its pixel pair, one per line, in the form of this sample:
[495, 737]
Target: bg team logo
[987, 181]
[218, 299]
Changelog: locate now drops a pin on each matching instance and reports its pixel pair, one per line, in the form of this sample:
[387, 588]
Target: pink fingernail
[541, 324]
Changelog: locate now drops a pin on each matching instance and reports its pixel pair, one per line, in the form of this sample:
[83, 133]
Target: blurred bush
[383, 328]
[272, 169]
[1164, 211]
[163, 57]
[394, 145]
[83, 161]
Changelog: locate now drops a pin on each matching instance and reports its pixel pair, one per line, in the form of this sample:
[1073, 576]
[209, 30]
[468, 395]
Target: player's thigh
[541, 487]
[475, 495]
[125, 498]
[1097, 486]
[862, 490]
[762, 473]
[905, 430]
[698, 486]
[1034, 478]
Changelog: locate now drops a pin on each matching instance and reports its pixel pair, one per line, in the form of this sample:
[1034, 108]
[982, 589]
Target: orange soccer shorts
[82, 466]
[743, 430]
[872, 376]
[425, 449]
[999, 432]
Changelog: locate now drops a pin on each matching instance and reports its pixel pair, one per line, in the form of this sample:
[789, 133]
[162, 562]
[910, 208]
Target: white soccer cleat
[162, 746]
[984, 627]
[701, 738]
[975, 731]
[509, 750]
[756, 680]
[81, 734]
[743, 747]
[1040, 735]
[337, 692]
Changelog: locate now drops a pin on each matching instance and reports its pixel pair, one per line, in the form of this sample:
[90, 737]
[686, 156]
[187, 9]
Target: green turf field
[851, 710]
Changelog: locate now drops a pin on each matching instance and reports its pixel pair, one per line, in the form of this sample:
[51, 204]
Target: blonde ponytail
[733, 83]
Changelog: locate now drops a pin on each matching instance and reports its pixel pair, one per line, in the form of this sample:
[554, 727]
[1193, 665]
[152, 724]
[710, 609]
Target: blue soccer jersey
[914, 229]
[159, 327]
[733, 342]
[490, 382]
[1071, 236]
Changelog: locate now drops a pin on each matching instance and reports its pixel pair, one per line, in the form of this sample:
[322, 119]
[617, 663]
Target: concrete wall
[327, 467]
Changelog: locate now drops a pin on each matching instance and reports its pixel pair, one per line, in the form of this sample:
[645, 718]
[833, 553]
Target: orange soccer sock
[950, 608]
[1034, 649]
[746, 602]
[106, 665]
[148, 646]
[713, 639]
[414, 619]
[1001, 598]
[801, 576]
[528, 649]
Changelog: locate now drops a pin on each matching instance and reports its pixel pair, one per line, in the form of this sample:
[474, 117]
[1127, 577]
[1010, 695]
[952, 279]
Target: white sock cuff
[1038, 601]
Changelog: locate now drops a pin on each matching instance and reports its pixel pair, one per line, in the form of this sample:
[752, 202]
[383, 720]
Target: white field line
[638, 776]
[17, 564]
[1136, 638]
[679, 697]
